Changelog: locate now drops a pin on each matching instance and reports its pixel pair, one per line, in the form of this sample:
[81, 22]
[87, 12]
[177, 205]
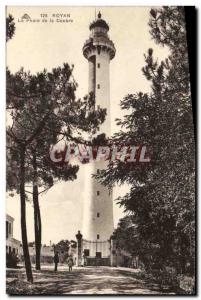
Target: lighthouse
[98, 225]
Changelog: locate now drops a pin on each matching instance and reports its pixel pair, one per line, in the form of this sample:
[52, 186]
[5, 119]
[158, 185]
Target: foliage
[44, 105]
[73, 244]
[10, 27]
[126, 235]
[162, 192]
[62, 248]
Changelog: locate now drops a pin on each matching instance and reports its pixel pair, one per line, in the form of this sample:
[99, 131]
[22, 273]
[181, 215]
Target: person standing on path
[56, 261]
[70, 263]
[83, 260]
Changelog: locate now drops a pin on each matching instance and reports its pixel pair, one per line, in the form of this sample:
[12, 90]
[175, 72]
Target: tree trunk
[37, 227]
[23, 217]
[37, 216]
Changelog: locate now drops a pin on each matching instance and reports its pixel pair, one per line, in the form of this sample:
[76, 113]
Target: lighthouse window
[98, 65]
[7, 233]
[98, 193]
[98, 236]
[98, 171]
[98, 255]
[98, 215]
[98, 86]
[86, 252]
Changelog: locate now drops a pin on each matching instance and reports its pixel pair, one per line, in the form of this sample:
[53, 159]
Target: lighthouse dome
[99, 23]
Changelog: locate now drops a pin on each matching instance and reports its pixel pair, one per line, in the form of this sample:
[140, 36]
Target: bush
[187, 284]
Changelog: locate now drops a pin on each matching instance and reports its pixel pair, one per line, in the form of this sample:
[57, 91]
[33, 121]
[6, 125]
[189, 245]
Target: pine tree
[43, 108]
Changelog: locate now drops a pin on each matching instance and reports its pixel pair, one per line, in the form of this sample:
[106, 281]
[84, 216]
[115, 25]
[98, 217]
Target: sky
[38, 45]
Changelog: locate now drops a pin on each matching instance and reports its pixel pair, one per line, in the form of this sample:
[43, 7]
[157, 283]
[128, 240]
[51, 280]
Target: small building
[47, 253]
[12, 245]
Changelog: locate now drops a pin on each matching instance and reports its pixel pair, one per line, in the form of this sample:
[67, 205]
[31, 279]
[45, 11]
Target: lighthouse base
[95, 261]
[95, 253]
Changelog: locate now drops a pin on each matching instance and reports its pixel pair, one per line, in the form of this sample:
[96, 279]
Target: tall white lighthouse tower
[98, 205]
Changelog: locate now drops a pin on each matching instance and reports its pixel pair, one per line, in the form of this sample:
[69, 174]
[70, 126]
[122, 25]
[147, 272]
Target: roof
[9, 218]
[99, 23]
